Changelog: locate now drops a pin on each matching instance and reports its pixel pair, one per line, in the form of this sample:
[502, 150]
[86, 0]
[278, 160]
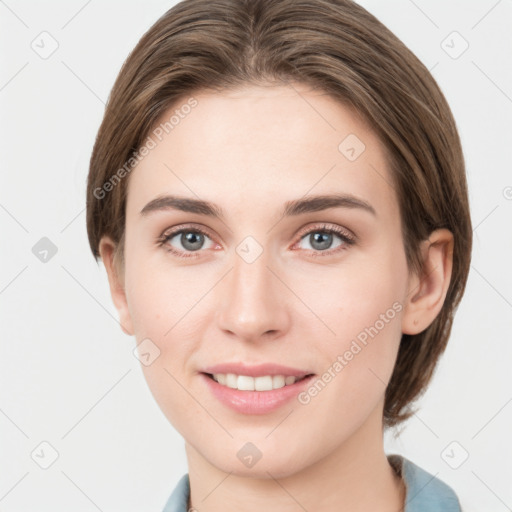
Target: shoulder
[178, 500]
[424, 491]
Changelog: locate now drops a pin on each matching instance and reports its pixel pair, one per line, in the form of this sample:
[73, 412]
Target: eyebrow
[291, 208]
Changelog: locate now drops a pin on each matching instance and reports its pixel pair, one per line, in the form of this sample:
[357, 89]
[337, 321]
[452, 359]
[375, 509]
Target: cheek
[156, 312]
[362, 308]
[356, 297]
[359, 361]
[157, 298]
[161, 305]
[358, 303]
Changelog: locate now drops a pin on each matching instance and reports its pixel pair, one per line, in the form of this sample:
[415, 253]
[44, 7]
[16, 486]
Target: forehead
[254, 144]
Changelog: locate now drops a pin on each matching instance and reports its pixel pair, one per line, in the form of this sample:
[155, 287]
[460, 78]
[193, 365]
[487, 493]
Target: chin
[262, 469]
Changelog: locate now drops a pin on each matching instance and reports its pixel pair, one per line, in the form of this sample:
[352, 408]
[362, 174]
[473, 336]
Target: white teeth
[289, 380]
[279, 381]
[247, 383]
[231, 380]
[265, 383]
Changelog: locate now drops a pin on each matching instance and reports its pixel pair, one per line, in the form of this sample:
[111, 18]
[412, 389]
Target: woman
[278, 194]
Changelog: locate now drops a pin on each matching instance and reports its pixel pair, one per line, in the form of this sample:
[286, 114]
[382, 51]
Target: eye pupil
[191, 240]
[322, 240]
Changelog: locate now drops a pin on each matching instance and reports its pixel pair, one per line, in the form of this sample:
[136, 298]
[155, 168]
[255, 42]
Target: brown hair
[335, 46]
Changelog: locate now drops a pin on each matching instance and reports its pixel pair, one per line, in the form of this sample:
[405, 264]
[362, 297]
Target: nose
[253, 303]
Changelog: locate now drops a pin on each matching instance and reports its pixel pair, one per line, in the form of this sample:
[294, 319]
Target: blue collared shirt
[424, 492]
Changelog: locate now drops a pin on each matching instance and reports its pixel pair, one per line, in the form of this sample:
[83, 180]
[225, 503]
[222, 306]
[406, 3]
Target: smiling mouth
[261, 383]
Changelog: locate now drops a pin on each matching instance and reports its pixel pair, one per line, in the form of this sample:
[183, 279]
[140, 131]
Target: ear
[116, 282]
[427, 291]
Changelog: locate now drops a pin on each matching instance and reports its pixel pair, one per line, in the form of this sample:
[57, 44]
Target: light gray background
[68, 375]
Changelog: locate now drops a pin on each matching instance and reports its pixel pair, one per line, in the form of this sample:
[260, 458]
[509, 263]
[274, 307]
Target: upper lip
[256, 370]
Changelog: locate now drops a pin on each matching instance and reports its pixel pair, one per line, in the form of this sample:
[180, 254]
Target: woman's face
[267, 282]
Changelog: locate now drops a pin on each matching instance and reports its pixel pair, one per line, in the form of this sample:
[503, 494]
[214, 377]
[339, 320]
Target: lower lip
[255, 402]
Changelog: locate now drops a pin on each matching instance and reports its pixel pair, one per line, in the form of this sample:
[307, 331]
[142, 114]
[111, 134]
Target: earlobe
[427, 291]
[116, 283]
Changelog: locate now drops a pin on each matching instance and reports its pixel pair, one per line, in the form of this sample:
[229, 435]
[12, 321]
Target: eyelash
[346, 238]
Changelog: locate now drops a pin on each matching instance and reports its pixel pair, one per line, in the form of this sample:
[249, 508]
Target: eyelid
[333, 228]
[346, 235]
[163, 239]
[186, 227]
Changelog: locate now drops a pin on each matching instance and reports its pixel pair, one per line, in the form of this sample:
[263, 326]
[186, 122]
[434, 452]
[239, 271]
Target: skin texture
[249, 151]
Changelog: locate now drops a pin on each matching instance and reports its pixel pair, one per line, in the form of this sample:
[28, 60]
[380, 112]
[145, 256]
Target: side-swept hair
[337, 47]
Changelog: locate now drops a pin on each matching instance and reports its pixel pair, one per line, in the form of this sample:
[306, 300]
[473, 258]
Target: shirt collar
[424, 491]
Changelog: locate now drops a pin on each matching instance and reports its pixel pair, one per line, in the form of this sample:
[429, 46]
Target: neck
[356, 476]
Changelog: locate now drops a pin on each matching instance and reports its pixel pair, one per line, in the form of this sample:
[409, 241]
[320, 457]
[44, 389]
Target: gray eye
[321, 240]
[189, 240]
